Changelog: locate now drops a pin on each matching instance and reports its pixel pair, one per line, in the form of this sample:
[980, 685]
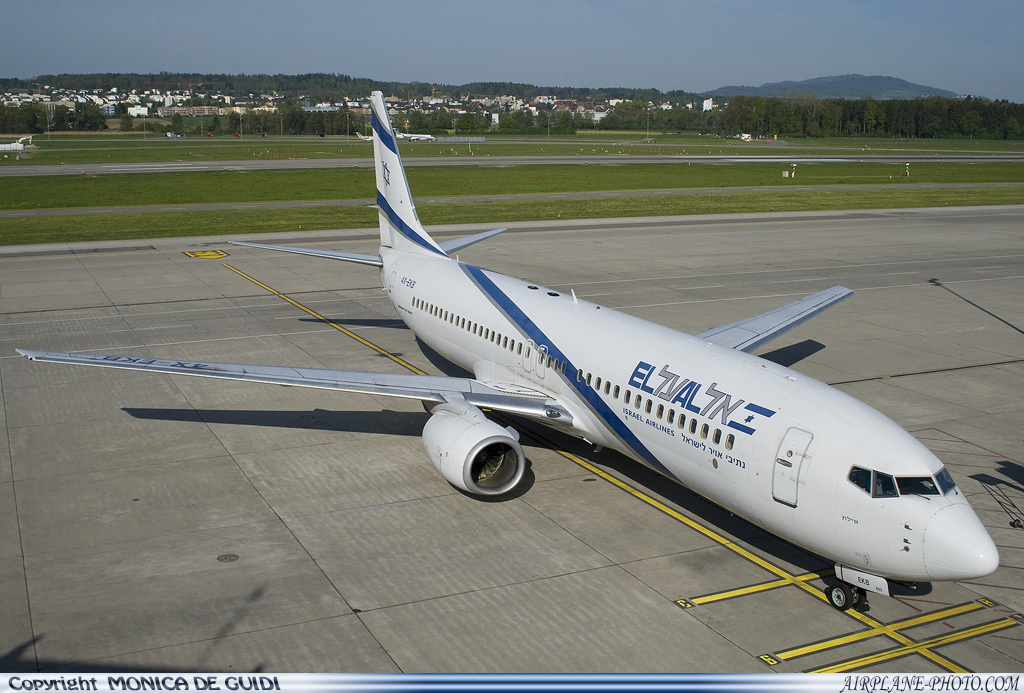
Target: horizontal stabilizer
[466, 241]
[750, 333]
[332, 254]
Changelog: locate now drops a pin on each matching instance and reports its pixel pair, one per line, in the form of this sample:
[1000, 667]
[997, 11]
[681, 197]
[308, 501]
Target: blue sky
[974, 47]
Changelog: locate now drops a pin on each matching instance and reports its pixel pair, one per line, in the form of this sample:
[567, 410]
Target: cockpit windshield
[881, 485]
[917, 486]
[946, 482]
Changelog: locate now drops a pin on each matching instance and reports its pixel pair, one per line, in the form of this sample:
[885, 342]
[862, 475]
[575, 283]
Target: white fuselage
[761, 440]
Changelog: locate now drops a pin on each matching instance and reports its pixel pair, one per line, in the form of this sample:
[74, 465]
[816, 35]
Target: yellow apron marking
[922, 648]
[339, 328]
[754, 589]
[206, 254]
[886, 629]
[785, 578]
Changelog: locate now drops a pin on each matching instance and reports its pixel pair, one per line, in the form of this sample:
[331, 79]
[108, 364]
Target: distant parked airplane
[414, 138]
[401, 136]
[18, 146]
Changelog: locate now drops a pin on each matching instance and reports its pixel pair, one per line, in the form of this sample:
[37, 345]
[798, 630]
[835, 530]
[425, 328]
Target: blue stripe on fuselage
[528, 327]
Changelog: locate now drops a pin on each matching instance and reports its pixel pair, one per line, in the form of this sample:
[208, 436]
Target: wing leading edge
[750, 333]
[426, 388]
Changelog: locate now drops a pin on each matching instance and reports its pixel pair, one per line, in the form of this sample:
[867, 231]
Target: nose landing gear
[852, 587]
[843, 596]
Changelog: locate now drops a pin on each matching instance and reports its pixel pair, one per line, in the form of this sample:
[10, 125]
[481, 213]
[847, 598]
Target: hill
[840, 87]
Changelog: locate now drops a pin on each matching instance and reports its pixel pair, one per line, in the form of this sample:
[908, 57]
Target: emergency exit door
[790, 462]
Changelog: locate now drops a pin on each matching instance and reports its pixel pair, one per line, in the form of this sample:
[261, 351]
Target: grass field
[356, 184]
[25, 193]
[16, 231]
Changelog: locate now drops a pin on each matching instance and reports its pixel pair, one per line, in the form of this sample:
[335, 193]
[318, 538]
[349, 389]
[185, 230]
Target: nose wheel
[843, 596]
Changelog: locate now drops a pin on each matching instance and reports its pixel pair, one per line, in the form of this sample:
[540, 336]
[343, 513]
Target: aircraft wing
[426, 388]
[750, 333]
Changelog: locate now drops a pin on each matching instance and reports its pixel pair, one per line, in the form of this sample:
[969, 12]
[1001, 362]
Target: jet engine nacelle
[472, 452]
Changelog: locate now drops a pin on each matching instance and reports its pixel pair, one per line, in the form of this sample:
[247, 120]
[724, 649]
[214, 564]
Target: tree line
[800, 116]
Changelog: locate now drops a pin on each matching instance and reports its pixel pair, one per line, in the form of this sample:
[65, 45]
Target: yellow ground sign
[206, 254]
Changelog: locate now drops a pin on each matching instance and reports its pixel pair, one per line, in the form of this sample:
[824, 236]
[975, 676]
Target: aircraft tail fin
[400, 226]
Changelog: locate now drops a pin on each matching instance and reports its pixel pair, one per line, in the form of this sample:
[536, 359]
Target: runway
[92, 169]
[162, 523]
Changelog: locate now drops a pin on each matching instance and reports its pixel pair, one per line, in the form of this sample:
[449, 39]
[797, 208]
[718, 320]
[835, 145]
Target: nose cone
[957, 546]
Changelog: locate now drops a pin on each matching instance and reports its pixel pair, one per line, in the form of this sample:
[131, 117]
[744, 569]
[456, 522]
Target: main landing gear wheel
[843, 596]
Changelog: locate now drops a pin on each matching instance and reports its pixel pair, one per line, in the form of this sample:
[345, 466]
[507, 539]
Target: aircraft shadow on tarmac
[392, 323]
[794, 353]
[938, 283]
[23, 658]
[379, 421]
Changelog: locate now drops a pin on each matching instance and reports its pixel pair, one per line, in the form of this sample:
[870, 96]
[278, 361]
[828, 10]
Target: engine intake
[472, 452]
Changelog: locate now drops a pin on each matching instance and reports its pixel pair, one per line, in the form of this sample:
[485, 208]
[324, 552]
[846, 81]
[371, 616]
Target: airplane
[21, 145]
[414, 138]
[792, 455]
[401, 136]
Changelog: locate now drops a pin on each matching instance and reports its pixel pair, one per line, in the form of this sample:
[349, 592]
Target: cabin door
[790, 461]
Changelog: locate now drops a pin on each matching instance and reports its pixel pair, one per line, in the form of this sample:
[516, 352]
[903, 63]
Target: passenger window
[671, 415]
[682, 420]
[597, 384]
[730, 440]
[519, 349]
[661, 411]
[648, 407]
[607, 387]
[627, 396]
[884, 486]
[615, 392]
[639, 400]
[579, 375]
[563, 367]
[693, 426]
[704, 431]
[717, 437]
